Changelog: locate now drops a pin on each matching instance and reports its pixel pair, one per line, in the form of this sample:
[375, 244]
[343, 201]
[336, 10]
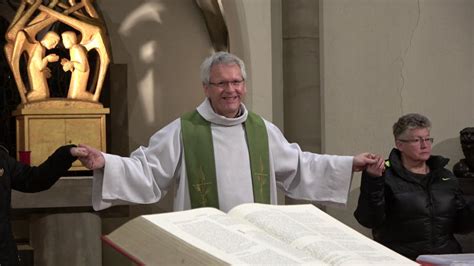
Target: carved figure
[38, 71]
[78, 65]
[34, 16]
[465, 167]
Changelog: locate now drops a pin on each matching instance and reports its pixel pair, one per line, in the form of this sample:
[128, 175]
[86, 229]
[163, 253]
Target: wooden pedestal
[42, 128]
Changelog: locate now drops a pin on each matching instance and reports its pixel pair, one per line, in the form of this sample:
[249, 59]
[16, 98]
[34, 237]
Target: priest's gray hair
[219, 58]
[410, 121]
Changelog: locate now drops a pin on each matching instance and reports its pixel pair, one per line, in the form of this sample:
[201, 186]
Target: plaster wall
[383, 59]
[163, 44]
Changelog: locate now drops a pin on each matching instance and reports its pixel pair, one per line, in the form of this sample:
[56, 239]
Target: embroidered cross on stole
[200, 163]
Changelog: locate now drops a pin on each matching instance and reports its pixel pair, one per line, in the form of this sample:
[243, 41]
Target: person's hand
[361, 161]
[67, 65]
[52, 58]
[90, 157]
[376, 169]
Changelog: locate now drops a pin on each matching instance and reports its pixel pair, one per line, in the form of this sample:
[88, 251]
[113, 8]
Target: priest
[220, 155]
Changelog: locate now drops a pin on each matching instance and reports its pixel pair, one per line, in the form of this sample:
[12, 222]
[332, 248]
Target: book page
[307, 228]
[230, 239]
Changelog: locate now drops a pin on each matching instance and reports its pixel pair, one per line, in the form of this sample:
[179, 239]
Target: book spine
[122, 251]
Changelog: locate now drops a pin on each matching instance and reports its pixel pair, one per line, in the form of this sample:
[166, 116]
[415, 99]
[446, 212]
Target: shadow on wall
[163, 44]
[449, 148]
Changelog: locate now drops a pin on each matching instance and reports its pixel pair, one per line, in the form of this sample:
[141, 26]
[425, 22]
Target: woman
[415, 206]
[25, 178]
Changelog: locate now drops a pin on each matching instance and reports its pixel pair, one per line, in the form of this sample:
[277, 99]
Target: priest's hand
[90, 157]
[78, 152]
[363, 160]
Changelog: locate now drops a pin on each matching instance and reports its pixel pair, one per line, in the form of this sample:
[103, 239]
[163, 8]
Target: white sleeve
[145, 176]
[309, 176]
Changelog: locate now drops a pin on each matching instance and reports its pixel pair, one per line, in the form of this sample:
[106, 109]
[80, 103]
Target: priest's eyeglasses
[418, 141]
[224, 84]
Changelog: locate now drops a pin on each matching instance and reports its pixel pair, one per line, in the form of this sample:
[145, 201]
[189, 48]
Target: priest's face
[226, 89]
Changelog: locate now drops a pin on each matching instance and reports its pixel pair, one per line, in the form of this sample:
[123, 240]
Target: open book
[248, 234]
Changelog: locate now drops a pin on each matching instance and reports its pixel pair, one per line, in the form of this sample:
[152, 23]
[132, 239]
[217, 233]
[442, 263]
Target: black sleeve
[27, 178]
[370, 210]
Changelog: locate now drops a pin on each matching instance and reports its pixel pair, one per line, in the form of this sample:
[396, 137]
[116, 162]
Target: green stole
[200, 163]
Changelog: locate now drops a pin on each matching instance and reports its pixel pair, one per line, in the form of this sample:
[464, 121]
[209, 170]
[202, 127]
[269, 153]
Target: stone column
[66, 239]
[301, 73]
[301, 62]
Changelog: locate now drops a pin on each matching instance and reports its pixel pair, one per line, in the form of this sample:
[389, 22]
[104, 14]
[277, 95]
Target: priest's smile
[231, 98]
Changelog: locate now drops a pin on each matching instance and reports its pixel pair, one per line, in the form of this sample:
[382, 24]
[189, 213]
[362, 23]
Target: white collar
[206, 111]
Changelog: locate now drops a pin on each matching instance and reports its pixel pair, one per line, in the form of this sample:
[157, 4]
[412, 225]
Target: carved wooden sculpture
[41, 32]
[78, 65]
[32, 19]
[37, 66]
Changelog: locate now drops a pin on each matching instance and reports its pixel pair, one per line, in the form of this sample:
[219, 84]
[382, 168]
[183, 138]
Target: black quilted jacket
[15, 175]
[414, 214]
